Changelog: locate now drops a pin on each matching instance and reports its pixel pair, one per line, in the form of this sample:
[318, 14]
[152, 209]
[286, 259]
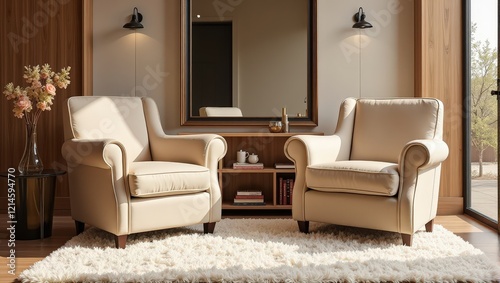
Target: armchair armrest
[423, 155]
[104, 153]
[98, 187]
[201, 149]
[419, 169]
[304, 150]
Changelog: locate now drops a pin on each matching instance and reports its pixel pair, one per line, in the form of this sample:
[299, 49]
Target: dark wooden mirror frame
[187, 120]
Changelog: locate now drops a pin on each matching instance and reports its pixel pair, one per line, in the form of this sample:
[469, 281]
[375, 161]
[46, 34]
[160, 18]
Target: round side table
[34, 203]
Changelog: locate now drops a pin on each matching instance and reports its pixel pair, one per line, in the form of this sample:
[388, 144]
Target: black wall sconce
[136, 20]
[359, 18]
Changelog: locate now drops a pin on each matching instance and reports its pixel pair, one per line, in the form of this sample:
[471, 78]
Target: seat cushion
[354, 176]
[156, 178]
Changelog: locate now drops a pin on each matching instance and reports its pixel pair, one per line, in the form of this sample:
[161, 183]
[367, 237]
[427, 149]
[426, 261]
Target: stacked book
[249, 198]
[249, 166]
[285, 191]
[284, 166]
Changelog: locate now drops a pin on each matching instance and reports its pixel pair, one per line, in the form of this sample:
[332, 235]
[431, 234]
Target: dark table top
[43, 174]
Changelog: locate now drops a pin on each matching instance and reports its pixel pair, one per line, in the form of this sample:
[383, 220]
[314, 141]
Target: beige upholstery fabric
[414, 119]
[155, 178]
[354, 176]
[220, 112]
[111, 118]
[379, 170]
[127, 176]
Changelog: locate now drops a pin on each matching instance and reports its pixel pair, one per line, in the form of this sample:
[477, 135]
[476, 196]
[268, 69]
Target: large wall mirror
[244, 60]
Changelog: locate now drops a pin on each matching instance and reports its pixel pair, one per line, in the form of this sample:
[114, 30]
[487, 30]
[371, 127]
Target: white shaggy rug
[265, 250]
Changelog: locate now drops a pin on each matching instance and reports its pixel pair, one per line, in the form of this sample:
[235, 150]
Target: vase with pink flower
[29, 102]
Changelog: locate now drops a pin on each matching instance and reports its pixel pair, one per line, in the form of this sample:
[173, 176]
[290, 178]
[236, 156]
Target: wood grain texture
[88, 43]
[39, 32]
[438, 73]
[450, 205]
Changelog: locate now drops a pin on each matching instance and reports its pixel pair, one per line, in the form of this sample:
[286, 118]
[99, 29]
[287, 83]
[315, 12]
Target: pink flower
[51, 89]
[23, 103]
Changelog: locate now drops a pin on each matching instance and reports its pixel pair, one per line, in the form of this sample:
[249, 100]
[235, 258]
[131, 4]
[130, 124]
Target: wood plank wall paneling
[88, 43]
[438, 73]
[34, 33]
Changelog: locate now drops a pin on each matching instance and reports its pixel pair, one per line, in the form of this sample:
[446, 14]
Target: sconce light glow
[198, 16]
[136, 20]
[359, 18]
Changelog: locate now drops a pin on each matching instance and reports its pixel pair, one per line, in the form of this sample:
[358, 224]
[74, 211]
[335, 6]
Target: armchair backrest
[108, 117]
[382, 127]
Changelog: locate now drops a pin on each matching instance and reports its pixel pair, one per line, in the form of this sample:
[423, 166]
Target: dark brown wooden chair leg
[429, 227]
[120, 241]
[303, 226]
[407, 239]
[209, 227]
[80, 226]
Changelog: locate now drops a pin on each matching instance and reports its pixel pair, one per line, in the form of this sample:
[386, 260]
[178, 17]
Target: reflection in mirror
[255, 56]
[220, 112]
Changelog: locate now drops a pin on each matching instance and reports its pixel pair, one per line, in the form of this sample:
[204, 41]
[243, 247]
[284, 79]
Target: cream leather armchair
[127, 176]
[379, 170]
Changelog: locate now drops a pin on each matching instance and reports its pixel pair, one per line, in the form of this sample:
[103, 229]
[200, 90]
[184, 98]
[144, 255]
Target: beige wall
[386, 55]
[128, 62]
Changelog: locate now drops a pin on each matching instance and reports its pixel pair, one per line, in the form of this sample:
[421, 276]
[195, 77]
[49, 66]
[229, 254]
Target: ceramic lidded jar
[253, 158]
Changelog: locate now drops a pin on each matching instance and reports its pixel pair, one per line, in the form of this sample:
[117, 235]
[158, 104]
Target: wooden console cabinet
[270, 149]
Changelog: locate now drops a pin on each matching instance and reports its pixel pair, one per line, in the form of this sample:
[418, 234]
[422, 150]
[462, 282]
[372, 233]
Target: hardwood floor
[29, 252]
[479, 235]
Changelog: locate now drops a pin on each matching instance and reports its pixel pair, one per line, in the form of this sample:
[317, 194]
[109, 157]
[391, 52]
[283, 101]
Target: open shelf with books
[235, 181]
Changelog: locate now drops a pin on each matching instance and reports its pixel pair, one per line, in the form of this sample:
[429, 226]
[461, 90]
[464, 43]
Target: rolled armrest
[104, 153]
[201, 149]
[311, 149]
[423, 154]
[305, 150]
[419, 182]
